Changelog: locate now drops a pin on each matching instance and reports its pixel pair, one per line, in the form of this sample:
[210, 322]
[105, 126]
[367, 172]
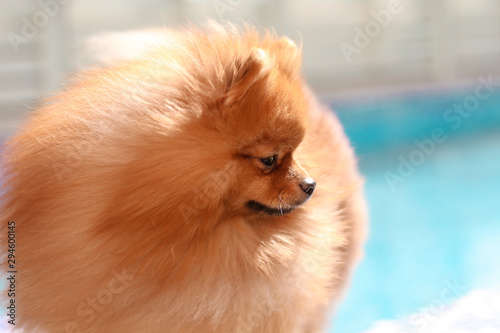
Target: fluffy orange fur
[172, 193]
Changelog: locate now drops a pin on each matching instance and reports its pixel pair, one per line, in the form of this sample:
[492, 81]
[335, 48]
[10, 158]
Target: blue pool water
[434, 203]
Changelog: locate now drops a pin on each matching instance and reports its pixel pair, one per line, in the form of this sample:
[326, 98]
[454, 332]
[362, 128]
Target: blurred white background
[348, 44]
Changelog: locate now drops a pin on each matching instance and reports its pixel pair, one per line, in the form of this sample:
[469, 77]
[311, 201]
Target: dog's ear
[290, 56]
[245, 74]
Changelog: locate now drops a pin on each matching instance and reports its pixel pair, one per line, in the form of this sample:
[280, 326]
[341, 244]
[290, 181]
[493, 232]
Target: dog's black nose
[308, 185]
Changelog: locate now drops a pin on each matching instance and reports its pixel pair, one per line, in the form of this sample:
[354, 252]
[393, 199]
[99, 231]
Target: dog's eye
[269, 161]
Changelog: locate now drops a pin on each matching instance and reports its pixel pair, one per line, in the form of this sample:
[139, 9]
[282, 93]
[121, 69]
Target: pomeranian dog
[199, 187]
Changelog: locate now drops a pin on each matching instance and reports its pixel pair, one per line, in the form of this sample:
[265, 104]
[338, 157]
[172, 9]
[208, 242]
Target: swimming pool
[432, 167]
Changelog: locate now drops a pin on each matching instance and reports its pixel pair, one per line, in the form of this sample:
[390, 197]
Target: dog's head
[227, 113]
[262, 116]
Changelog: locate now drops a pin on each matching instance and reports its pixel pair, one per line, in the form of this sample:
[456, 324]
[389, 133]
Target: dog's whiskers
[284, 203]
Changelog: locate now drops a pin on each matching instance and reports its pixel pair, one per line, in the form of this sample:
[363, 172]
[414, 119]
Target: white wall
[422, 42]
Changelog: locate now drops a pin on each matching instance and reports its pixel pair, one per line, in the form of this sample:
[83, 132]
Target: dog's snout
[308, 185]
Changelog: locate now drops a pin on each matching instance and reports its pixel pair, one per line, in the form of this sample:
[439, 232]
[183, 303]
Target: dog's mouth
[261, 208]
